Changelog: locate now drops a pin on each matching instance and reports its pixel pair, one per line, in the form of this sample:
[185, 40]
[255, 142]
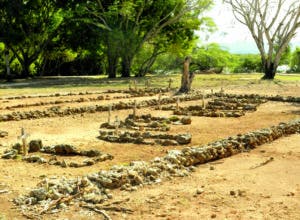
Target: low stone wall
[58, 112]
[50, 95]
[93, 187]
[146, 123]
[57, 102]
[222, 107]
[146, 138]
[132, 92]
[94, 156]
[277, 98]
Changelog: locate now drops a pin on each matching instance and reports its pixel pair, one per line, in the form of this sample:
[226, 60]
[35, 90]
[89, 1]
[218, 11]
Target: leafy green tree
[127, 25]
[76, 49]
[247, 63]
[272, 24]
[210, 56]
[27, 27]
[295, 60]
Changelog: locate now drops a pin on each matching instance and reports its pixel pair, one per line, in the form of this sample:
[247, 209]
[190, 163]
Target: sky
[231, 34]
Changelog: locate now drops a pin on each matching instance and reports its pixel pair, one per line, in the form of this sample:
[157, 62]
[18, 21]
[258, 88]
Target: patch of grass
[50, 85]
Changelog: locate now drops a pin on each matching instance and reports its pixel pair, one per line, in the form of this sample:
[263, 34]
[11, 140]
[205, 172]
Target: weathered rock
[40, 194]
[154, 124]
[88, 162]
[34, 159]
[3, 134]
[90, 153]
[175, 163]
[35, 146]
[10, 154]
[168, 142]
[186, 120]
[184, 138]
[62, 164]
[65, 149]
[17, 147]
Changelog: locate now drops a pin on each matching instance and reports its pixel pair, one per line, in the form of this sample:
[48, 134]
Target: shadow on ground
[64, 82]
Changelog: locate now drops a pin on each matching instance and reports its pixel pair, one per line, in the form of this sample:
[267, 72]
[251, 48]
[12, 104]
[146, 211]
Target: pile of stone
[146, 138]
[147, 123]
[92, 187]
[79, 100]
[94, 156]
[222, 107]
[58, 111]
[200, 111]
[225, 103]
[137, 91]
[56, 102]
[131, 92]
[51, 95]
[3, 134]
[277, 98]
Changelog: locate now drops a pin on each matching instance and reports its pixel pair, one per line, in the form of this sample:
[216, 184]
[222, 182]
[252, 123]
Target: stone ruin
[132, 93]
[277, 98]
[143, 126]
[148, 123]
[221, 107]
[146, 138]
[95, 187]
[36, 146]
[57, 111]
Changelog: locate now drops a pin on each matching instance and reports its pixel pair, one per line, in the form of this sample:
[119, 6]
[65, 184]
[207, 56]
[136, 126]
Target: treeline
[214, 58]
[113, 37]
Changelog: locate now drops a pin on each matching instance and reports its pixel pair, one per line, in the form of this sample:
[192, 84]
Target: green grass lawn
[92, 83]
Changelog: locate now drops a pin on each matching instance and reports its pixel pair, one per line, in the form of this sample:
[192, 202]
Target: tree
[27, 27]
[295, 60]
[187, 76]
[247, 63]
[272, 25]
[177, 39]
[210, 56]
[133, 23]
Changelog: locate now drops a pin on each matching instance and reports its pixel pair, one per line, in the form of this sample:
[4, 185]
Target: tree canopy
[272, 25]
[133, 38]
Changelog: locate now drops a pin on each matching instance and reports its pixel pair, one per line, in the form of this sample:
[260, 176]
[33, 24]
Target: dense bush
[295, 61]
[247, 63]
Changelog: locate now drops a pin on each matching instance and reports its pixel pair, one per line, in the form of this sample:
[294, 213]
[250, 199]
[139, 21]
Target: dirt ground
[271, 191]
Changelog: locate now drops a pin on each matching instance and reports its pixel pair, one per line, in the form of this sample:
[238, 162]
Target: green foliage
[27, 27]
[295, 60]
[131, 24]
[286, 56]
[167, 63]
[211, 56]
[247, 63]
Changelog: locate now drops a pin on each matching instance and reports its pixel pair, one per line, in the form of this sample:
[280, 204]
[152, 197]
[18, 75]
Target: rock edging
[94, 187]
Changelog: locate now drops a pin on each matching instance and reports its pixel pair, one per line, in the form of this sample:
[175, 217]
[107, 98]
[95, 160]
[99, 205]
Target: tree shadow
[63, 82]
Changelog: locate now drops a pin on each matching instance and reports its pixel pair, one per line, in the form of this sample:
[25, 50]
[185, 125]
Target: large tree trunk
[112, 54]
[8, 76]
[269, 71]
[187, 77]
[126, 66]
[25, 67]
[112, 67]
